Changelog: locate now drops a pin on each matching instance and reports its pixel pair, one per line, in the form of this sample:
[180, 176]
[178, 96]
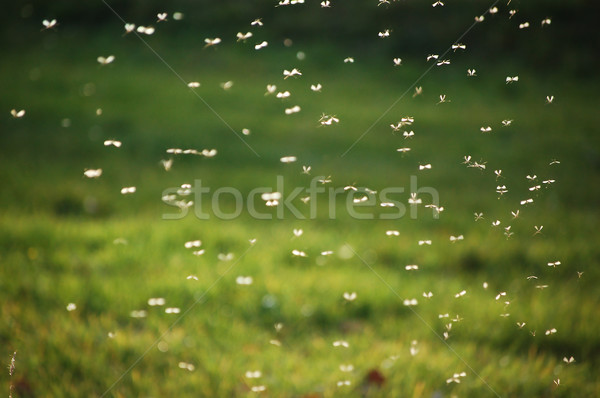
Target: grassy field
[67, 239]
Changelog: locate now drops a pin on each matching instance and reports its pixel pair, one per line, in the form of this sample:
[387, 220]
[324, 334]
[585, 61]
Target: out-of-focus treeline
[569, 44]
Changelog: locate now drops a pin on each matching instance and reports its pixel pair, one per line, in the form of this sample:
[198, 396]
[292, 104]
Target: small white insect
[432, 56]
[526, 201]
[425, 242]
[283, 94]
[49, 24]
[288, 159]
[209, 153]
[538, 230]
[411, 267]
[460, 294]
[293, 72]
[485, 129]
[349, 296]
[128, 190]
[138, 314]
[192, 243]
[156, 301]
[212, 42]
[499, 295]
[327, 253]
[346, 368]
[147, 30]
[524, 25]
[456, 378]
[410, 302]
[496, 223]
[459, 46]
[427, 294]
[258, 388]
[172, 310]
[186, 366]
[326, 4]
[493, 10]
[253, 374]
[115, 143]
[501, 189]
[129, 27]
[507, 122]
[550, 331]
[261, 45]
[554, 264]
[384, 34]
[425, 166]
[316, 87]
[192, 277]
[413, 200]
[454, 239]
[162, 16]
[92, 173]
[226, 85]
[397, 61]
[512, 79]
[403, 150]
[546, 21]
[17, 114]
[443, 62]
[342, 383]
[257, 22]
[105, 60]
[521, 324]
[341, 343]
[408, 134]
[271, 88]
[243, 36]
[437, 3]
[568, 360]
[418, 91]
[71, 307]
[292, 110]
[298, 253]
[244, 280]
[471, 72]
[443, 99]
[348, 60]
[327, 120]
[549, 99]
[225, 256]
[480, 18]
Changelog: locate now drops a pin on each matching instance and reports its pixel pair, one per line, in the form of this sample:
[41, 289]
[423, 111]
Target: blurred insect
[341, 343]
[521, 324]
[493, 10]
[496, 223]
[443, 99]
[49, 24]
[511, 13]
[549, 99]
[244, 280]
[408, 134]
[506, 122]
[193, 84]
[288, 159]
[471, 72]
[432, 56]
[485, 129]
[437, 3]
[298, 253]
[172, 310]
[501, 189]
[128, 190]
[538, 230]
[385, 33]
[443, 62]
[349, 296]
[105, 60]
[427, 294]
[397, 61]
[515, 214]
[412, 267]
[129, 27]
[554, 264]
[253, 374]
[413, 200]
[258, 388]
[425, 242]
[349, 60]
[410, 302]
[257, 22]
[546, 21]
[316, 87]
[425, 166]
[212, 42]
[346, 368]
[243, 36]
[418, 91]
[326, 4]
[261, 45]
[498, 173]
[283, 94]
[392, 233]
[293, 72]
[460, 294]
[524, 25]
[162, 16]
[271, 88]
[17, 114]
[459, 46]
[526, 201]
[147, 30]
[479, 18]
[403, 150]
[306, 169]
[550, 331]
[293, 109]
[454, 239]
[92, 173]
[512, 79]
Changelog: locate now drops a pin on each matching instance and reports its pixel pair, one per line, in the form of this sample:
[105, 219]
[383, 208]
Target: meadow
[65, 238]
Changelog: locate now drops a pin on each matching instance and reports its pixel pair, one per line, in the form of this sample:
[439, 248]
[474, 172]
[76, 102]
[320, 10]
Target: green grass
[56, 247]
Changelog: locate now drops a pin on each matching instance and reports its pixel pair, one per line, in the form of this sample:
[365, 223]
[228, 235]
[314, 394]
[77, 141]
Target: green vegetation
[66, 239]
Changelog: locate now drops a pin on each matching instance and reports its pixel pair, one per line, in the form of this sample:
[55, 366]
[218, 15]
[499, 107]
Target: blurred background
[65, 238]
